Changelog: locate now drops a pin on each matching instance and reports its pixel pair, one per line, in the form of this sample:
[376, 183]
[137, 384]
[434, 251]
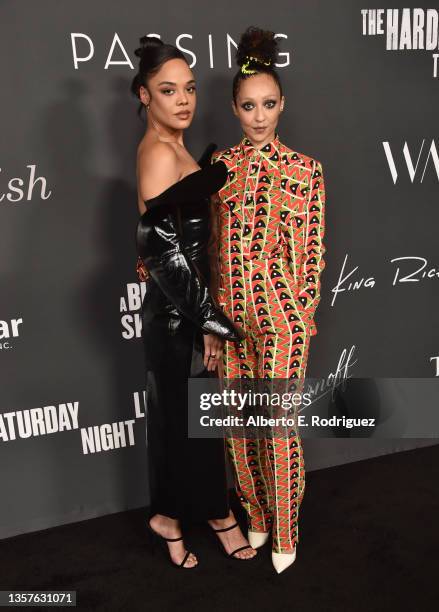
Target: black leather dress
[187, 475]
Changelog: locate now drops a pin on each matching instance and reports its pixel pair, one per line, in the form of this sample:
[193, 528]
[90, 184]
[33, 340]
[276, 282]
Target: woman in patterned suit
[271, 226]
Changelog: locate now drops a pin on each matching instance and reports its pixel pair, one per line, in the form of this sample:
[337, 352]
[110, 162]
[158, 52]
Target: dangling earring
[147, 106]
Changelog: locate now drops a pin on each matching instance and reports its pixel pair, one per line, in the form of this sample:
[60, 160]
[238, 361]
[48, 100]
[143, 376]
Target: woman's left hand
[213, 351]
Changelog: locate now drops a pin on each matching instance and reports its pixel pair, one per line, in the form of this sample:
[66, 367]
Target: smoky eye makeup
[267, 103]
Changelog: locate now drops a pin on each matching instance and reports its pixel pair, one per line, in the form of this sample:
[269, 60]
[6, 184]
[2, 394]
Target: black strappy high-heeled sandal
[157, 537]
[233, 553]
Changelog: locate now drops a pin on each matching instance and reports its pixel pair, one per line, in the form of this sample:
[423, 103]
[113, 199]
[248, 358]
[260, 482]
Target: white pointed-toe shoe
[282, 560]
[256, 539]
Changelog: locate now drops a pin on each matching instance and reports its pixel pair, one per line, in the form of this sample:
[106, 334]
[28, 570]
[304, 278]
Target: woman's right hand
[213, 351]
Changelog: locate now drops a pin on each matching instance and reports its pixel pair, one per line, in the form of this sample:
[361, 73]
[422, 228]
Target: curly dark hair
[256, 53]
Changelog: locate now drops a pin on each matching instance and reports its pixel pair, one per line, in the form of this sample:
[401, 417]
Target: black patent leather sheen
[172, 238]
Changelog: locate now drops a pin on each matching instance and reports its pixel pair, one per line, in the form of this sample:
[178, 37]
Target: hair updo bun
[147, 42]
[256, 53]
[153, 53]
[258, 44]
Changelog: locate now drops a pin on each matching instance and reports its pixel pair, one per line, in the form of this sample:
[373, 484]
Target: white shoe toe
[257, 539]
[282, 560]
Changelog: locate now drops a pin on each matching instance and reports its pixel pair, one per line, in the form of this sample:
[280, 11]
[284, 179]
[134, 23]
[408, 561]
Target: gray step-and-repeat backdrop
[361, 87]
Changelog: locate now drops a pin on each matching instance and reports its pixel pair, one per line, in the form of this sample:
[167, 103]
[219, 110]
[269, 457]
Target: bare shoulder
[157, 154]
[157, 168]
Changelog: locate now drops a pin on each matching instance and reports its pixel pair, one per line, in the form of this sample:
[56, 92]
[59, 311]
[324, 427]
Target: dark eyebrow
[171, 83]
[264, 98]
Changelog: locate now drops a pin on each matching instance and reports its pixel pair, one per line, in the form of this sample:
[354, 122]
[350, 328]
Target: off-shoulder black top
[172, 239]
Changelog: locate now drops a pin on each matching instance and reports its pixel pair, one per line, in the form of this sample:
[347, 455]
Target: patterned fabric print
[271, 229]
[286, 192]
[269, 473]
[252, 488]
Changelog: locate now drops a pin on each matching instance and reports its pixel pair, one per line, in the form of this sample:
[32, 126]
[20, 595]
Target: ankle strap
[226, 528]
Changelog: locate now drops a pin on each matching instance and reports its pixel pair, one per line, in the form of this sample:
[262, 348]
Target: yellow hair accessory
[249, 58]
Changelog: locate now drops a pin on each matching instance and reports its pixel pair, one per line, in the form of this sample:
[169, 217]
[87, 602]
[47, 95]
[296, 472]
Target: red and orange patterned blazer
[274, 203]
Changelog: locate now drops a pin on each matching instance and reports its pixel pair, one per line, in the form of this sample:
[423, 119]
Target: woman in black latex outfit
[183, 330]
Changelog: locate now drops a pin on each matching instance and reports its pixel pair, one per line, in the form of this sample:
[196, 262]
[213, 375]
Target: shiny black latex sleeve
[159, 247]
